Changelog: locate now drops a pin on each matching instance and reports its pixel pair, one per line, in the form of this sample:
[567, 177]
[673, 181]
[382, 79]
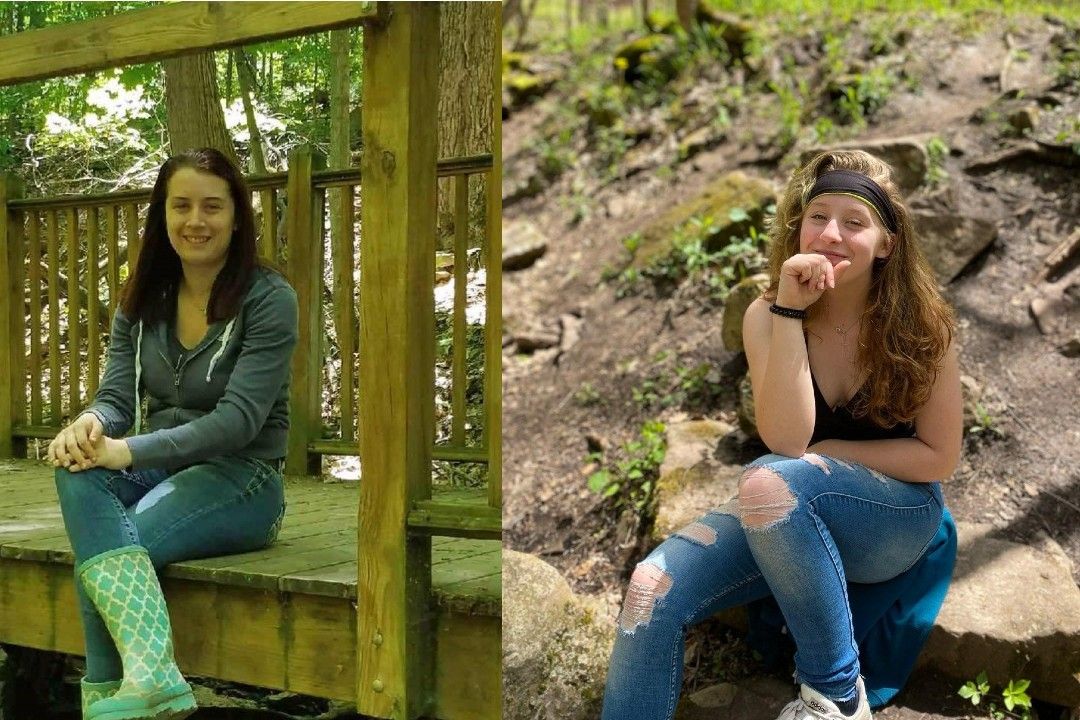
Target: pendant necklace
[843, 331]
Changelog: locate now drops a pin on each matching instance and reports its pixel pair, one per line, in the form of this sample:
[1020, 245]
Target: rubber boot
[92, 692]
[123, 586]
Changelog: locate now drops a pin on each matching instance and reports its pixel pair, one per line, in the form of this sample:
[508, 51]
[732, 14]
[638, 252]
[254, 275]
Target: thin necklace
[841, 330]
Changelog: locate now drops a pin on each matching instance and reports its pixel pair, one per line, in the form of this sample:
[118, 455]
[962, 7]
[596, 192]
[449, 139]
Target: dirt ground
[1023, 475]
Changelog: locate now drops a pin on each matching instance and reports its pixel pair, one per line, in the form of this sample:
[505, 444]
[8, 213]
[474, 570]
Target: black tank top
[839, 424]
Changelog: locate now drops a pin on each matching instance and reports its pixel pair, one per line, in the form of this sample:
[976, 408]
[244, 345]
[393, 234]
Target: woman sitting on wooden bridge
[208, 331]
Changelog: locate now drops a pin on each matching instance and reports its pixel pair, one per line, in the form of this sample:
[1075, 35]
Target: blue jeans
[828, 523]
[225, 505]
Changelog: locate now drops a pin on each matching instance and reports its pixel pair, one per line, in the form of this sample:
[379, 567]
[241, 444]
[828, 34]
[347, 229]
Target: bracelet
[787, 312]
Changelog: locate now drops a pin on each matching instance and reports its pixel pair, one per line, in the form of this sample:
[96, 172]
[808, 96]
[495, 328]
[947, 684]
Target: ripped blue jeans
[800, 530]
[226, 505]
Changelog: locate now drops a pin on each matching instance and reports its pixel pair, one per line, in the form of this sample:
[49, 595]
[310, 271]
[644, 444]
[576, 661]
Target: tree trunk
[228, 78]
[466, 65]
[686, 10]
[243, 74]
[193, 111]
[523, 24]
[569, 21]
[340, 219]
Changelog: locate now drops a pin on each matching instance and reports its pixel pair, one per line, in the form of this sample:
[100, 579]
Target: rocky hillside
[638, 173]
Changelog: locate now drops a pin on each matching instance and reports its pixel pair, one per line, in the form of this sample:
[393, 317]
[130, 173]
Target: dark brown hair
[910, 325]
[150, 293]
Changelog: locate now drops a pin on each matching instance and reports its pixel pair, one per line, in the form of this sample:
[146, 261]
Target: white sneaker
[812, 705]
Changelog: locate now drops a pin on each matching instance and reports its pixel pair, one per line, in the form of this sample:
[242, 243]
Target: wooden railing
[65, 323]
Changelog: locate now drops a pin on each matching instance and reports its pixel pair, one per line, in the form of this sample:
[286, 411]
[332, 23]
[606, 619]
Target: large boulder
[1013, 611]
[745, 409]
[747, 291]
[692, 480]
[523, 244]
[950, 242]
[555, 645]
[906, 155]
[733, 191]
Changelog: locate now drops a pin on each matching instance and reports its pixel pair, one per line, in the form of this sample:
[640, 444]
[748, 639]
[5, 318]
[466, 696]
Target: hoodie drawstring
[138, 377]
[221, 349]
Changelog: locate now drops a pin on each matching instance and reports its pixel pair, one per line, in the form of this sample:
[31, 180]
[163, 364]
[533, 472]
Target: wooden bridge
[384, 592]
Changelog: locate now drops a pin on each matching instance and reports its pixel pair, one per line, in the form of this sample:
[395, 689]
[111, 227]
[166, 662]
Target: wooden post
[493, 310]
[12, 319]
[395, 643]
[305, 273]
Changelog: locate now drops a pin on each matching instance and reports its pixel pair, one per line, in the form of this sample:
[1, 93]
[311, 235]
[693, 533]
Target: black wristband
[787, 312]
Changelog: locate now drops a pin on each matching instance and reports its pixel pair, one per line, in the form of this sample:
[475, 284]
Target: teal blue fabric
[892, 619]
[230, 396]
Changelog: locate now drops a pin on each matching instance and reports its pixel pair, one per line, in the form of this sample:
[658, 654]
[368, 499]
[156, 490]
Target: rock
[950, 242]
[524, 88]
[745, 411]
[756, 698]
[700, 140]
[523, 244]
[747, 291]
[1026, 118]
[652, 51]
[555, 645]
[735, 31]
[732, 191]
[1071, 349]
[692, 480]
[661, 22]
[1013, 611]
[906, 156]
[571, 331]
[530, 342]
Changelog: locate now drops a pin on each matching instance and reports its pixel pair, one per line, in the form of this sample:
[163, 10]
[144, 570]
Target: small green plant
[985, 423]
[1013, 696]
[863, 95]
[936, 151]
[632, 480]
[587, 395]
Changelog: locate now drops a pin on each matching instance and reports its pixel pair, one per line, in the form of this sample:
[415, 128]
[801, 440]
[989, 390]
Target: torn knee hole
[818, 462]
[764, 498]
[648, 584]
[698, 532]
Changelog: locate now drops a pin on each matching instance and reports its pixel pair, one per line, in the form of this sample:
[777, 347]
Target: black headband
[855, 184]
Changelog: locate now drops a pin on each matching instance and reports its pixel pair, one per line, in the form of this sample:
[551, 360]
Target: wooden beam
[493, 315]
[305, 245]
[395, 633]
[165, 31]
[12, 382]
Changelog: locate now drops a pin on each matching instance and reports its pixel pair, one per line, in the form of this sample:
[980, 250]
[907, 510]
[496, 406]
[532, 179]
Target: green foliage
[587, 395]
[863, 94]
[986, 425]
[936, 151]
[1014, 696]
[474, 377]
[691, 260]
[632, 480]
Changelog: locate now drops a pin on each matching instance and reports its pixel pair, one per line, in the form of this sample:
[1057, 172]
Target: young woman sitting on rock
[857, 394]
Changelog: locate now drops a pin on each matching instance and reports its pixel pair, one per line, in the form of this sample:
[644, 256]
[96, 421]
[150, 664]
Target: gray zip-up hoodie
[229, 396]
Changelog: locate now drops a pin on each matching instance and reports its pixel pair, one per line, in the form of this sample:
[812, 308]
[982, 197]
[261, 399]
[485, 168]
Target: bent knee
[648, 584]
[764, 497]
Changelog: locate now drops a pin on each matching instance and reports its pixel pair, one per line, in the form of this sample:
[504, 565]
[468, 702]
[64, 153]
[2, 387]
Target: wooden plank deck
[283, 617]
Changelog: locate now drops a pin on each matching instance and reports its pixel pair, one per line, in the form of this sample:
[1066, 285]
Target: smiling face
[841, 227]
[199, 217]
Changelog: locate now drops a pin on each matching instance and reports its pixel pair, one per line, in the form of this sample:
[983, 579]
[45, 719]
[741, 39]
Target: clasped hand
[83, 445]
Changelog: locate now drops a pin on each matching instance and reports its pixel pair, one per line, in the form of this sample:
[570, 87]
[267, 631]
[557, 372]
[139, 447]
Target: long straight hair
[910, 325]
[150, 292]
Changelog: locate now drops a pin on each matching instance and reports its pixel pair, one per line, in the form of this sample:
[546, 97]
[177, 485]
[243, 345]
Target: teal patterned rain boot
[123, 586]
[92, 692]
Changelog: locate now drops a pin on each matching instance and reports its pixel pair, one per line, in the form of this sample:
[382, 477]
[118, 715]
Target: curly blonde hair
[910, 325]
